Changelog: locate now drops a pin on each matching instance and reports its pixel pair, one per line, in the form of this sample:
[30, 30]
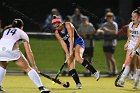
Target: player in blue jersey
[73, 46]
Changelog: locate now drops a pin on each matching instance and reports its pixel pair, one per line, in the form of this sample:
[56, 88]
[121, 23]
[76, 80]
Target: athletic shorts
[109, 49]
[10, 55]
[78, 41]
[131, 45]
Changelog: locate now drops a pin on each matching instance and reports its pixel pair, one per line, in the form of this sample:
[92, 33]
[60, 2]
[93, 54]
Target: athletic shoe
[43, 90]
[135, 85]
[120, 83]
[1, 90]
[79, 86]
[97, 75]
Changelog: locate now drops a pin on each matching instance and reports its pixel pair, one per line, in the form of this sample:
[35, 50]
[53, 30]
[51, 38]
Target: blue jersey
[77, 38]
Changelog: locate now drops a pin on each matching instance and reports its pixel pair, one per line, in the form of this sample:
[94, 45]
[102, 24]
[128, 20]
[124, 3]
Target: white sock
[35, 78]
[137, 75]
[2, 74]
[125, 73]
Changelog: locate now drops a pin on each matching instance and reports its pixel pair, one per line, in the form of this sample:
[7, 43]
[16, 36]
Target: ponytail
[17, 23]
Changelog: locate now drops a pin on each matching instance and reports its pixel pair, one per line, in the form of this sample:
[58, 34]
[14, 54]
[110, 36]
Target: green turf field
[22, 84]
[50, 56]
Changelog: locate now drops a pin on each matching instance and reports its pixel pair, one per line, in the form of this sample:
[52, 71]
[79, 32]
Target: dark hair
[55, 17]
[17, 23]
[137, 11]
[67, 19]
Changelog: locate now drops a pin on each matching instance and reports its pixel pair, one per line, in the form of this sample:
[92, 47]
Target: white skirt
[10, 55]
[131, 45]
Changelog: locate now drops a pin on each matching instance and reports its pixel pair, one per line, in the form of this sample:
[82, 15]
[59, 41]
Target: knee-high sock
[137, 75]
[35, 78]
[2, 74]
[74, 75]
[125, 73]
[87, 65]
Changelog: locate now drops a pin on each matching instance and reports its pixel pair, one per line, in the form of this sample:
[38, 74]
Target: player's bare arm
[71, 34]
[30, 55]
[128, 39]
[137, 44]
[63, 44]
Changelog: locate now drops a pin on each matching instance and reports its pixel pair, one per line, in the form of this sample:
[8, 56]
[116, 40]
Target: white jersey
[134, 35]
[7, 42]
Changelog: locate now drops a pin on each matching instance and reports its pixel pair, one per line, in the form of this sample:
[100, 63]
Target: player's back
[10, 37]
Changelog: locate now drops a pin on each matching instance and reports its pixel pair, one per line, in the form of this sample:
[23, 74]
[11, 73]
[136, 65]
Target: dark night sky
[38, 9]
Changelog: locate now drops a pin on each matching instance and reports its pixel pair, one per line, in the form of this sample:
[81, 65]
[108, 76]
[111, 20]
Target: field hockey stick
[128, 60]
[66, 84]
[58, 73]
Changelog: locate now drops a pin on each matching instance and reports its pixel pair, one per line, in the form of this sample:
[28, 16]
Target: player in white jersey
[133, 48]
[9, 51]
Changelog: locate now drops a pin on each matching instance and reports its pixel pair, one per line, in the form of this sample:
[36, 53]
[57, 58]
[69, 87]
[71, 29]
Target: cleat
[135, 85]
[120, 83]
[43, 90]
[1, 90]
[79, 86]
[97, 75]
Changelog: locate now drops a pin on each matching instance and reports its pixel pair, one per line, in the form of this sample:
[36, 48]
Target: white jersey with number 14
[9, 38]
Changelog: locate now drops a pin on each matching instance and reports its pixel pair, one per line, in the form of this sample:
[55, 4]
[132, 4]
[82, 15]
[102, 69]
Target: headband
[56, 20]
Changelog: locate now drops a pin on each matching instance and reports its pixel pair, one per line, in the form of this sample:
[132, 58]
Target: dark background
[39, 9]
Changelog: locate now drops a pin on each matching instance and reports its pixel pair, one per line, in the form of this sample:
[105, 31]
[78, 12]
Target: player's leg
[136, 80]
[88, 54]
[22, 62]
[88, 73]
[78, 56]
[132, 71]
[3, 66]
[126, 70]
[73, 72]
